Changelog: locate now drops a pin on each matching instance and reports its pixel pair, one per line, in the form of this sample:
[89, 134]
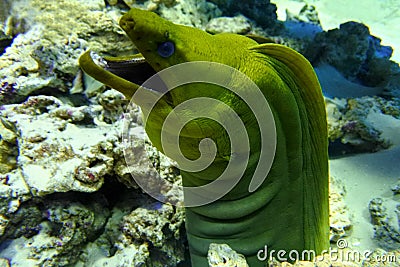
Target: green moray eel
[289, 210]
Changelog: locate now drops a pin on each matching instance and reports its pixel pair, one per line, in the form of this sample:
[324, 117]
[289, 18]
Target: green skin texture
[289, 211]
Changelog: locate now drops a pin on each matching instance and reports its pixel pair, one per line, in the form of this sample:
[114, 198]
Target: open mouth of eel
[125, 74]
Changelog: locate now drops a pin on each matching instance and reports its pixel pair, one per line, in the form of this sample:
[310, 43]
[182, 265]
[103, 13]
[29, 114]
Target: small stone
[396, 188]
[221, 255]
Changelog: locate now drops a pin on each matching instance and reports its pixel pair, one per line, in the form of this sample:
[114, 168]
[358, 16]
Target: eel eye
[166, 49]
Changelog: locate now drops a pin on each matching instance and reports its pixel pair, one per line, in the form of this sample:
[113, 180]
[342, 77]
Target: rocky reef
[385, 214]
[51, 151]
[61, 149]
[352, 50]
[261, 11]
[48, 39]
[358, 79]
[352, 127]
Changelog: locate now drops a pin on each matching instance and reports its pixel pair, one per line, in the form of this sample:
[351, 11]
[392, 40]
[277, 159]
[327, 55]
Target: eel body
[289, 210]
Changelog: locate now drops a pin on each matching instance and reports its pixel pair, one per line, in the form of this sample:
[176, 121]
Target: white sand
[366, 176]
[382, 17]
[370, 175]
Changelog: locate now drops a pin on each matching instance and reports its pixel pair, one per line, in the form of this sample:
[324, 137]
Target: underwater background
[67, 197]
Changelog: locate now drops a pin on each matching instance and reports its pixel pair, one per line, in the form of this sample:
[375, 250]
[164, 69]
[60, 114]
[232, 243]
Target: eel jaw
[125, 74]
[135, 69]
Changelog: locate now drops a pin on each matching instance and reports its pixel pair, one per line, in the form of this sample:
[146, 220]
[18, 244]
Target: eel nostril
[127, 23]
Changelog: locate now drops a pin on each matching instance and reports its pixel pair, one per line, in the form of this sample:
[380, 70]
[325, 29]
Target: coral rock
[57, 152]
[261, 11]
[339, 217]
[238, 24]
[44, 54]
[221, 255]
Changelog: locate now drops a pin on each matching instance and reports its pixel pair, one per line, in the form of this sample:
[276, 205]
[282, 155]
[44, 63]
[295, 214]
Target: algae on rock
[221, 255]
[160, 226]
[139, 232]
[56, 229]
[349, 124]
[44, 55]
[62, 148]
[53, 148]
